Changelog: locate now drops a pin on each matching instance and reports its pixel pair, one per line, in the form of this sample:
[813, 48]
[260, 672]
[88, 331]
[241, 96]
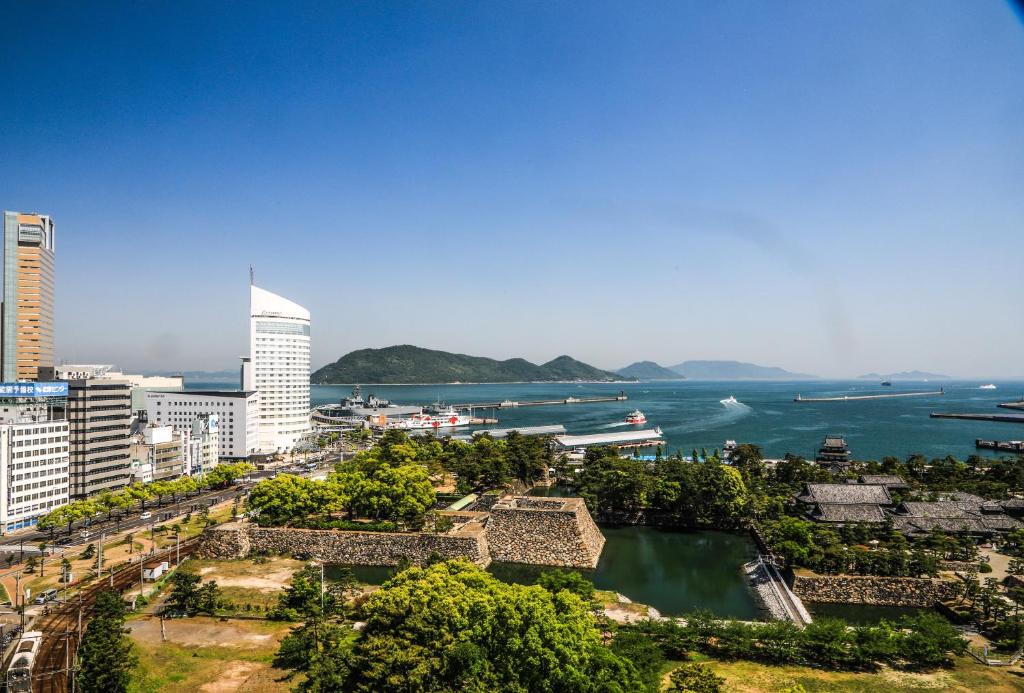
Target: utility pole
[177, 548]
[321, 589]
[99, 556]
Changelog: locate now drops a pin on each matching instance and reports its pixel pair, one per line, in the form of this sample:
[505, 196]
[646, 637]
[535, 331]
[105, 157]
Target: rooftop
[846, 494]
[849, 512]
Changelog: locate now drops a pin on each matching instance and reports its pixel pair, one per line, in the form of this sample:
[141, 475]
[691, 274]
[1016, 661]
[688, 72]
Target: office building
[99, 416]
[26, 329]
[236, 413]
[140, 384]
[278, 369]
[34, 460]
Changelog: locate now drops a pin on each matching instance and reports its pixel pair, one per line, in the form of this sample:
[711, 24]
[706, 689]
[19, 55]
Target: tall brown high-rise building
[26, 328]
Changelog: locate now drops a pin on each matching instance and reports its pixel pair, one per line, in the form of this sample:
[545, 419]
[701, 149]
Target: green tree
[184, 597]
[572, 580]
[452, 626]
[695, 677]
[303, 597]
[645, 655]
[106, 657]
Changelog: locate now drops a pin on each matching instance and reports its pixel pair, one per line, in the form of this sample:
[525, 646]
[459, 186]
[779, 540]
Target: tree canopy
[452, 626]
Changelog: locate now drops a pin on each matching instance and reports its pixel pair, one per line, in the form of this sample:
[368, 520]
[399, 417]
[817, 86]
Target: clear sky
[831, 187]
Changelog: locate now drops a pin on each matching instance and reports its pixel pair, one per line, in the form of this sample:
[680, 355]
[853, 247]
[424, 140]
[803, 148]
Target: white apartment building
[236, 412]
[34, 464]
[278, 369]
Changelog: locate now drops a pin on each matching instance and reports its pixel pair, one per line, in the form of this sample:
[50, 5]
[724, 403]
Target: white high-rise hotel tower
[278, 368]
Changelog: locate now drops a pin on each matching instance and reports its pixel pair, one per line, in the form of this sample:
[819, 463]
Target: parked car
[46, 596]
[146, 515]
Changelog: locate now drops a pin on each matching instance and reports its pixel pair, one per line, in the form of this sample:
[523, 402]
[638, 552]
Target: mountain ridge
[649, 370]
[904, 375]
[408, 364]
[735, 370]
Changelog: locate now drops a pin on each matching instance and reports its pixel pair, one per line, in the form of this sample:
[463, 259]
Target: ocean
[691, 413]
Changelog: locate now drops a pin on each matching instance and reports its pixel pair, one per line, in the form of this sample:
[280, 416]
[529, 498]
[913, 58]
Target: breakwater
[851, 398]
[512, 404]
[1003, 418]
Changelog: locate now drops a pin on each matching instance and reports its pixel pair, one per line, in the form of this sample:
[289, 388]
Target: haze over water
[691, 415]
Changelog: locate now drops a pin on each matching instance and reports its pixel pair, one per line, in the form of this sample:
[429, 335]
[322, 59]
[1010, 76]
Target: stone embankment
[544, 531]
[519, 529]
[869, 589]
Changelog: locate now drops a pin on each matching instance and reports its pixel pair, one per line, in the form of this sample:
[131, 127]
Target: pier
[510, 404]
[1005, 418]
[627, 439]
[850, 398]
[1016, 446]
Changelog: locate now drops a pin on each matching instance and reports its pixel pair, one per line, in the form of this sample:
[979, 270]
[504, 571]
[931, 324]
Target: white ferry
[636, 417]
[441, 417]
[731, 399]
[990, 386]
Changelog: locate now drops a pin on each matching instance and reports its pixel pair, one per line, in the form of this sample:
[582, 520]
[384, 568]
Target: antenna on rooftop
[252, 276]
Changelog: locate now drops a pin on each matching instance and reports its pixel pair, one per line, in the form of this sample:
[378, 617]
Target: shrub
[984, 567]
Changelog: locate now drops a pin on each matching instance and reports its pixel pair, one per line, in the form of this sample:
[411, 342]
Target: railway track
[61, 627]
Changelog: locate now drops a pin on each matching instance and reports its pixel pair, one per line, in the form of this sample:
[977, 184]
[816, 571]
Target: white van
[146, 515]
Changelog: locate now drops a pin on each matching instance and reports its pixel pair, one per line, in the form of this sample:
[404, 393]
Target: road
[27, 542]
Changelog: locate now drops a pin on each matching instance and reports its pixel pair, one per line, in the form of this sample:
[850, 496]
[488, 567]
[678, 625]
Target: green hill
[649, 370]
[411, 364]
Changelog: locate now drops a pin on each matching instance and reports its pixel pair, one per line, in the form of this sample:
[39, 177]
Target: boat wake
[731, 401]
[617, 424]
[723, 417]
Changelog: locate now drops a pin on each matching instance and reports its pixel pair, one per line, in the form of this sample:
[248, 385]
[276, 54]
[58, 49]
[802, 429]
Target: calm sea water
[691, 415]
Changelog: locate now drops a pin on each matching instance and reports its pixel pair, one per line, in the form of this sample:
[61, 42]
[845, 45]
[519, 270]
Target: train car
[19, 674]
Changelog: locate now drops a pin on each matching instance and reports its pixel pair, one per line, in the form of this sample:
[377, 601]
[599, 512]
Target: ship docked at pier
[432, 418]
[355, 410]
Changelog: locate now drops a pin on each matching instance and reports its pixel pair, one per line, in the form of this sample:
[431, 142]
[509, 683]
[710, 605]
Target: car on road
[146, 515]
[46, 596]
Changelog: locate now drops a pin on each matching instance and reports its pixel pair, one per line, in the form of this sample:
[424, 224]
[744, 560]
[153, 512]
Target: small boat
[636, 417]
[886, 383]
[990, 386]
[729, 400]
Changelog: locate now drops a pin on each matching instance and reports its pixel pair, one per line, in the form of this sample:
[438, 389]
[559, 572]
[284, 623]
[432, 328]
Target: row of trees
[397, 494]
[702, 493]
[110, 502]
[920, 642]
[482, 463]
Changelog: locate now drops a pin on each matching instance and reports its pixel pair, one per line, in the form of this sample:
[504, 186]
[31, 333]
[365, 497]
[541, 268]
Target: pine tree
[106, 658]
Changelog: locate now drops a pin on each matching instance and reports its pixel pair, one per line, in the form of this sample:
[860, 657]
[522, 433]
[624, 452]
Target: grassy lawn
[245, 581]
[967, 677]
[208, 655]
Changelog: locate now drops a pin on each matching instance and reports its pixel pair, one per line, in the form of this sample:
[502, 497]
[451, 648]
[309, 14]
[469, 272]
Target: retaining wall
[518, 529]
[869, 589]
[238, 540]
[544, 531]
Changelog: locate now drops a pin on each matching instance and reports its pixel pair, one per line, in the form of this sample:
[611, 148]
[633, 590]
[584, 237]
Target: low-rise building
[158, 452]
[846, 503]
[834, 454]
[236, 412]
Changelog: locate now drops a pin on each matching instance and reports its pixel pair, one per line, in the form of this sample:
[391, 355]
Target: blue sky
[830, 187]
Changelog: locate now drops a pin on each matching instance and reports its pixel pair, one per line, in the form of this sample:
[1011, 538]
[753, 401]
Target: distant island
[905, 375]
[649, 370]
[406, 364]
[734, 370]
